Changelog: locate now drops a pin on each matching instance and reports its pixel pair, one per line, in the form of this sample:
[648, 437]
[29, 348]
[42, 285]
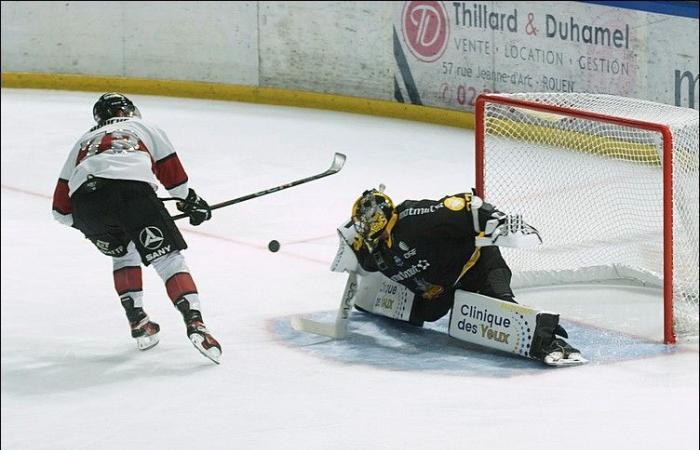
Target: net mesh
[594, 188]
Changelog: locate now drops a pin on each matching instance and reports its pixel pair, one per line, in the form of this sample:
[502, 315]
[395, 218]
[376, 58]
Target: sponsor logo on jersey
[151, 238]
[455, 203]
[420, 266]
[410, 252]
[419, 211]
[398, 261]
[423, 264]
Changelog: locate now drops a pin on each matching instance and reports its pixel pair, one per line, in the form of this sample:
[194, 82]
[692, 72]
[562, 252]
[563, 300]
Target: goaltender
[445, 253]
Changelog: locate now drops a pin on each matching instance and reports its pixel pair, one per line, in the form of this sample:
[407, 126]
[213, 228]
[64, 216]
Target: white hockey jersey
[123, 149]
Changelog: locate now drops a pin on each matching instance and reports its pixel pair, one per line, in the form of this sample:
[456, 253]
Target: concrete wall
[207, 41]
[432, 53]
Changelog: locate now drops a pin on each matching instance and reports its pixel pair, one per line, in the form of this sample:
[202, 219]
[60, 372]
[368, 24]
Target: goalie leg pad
[377, 294]
[511, 328]
[493, 323]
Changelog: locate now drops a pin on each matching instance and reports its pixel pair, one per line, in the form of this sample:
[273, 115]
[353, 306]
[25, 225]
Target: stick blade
[338, 162]
[323, 329]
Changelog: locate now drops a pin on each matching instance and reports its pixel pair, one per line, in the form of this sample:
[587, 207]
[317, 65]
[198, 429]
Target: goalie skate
[146, 333]
[204, 341]
[562, 354]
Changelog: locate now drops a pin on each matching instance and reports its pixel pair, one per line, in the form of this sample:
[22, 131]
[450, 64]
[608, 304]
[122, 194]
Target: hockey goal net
[611, 183]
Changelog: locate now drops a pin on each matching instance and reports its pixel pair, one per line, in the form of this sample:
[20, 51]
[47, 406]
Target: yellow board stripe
[238, 93]
[581, 141]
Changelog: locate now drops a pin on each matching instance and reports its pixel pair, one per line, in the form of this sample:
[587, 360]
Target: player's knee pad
[168, 265]
[126, 271]
[130, 258]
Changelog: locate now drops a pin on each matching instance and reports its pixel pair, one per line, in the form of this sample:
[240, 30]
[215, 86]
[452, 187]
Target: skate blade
[556, 359]
[213, 353]
[147, 341]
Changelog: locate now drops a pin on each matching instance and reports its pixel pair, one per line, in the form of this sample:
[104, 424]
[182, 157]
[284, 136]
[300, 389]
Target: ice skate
[559, 353]
[145, 332]
[202, 339]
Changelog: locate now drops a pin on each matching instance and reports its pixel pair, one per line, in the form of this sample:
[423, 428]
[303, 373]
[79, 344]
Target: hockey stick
[338, 162]
[330, 330]
[338, 329]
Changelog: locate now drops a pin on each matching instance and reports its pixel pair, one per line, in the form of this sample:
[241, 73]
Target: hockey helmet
[371, 214]
[111, 105]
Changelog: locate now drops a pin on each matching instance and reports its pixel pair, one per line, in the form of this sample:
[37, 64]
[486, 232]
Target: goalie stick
[338, 329]
[338, 162]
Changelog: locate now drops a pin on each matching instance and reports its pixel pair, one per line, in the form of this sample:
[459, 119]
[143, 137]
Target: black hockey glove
[195, 207]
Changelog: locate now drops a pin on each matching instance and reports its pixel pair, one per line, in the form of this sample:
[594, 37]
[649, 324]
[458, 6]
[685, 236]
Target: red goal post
[592, 170]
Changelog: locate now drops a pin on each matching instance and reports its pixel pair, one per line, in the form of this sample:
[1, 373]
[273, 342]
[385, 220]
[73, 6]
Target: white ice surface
[73, 379]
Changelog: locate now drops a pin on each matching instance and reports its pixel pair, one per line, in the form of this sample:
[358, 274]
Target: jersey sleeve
[457, 214]
[62, 208]
[167, 166]
[450, 217]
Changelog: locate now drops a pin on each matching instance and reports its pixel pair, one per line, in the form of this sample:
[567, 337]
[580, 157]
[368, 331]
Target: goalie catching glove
[195, 207]
[503, 230]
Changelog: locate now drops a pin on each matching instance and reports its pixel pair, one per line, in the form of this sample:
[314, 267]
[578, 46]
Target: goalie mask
[371, 214]
[111, 105]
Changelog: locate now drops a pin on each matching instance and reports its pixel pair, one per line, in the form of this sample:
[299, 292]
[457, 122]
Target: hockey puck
[273, 246]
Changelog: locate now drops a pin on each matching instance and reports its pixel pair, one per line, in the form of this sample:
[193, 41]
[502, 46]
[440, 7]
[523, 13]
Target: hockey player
[442, 250]
[106, 190]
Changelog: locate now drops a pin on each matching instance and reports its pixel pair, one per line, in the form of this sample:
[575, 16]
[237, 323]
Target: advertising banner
[446, 53]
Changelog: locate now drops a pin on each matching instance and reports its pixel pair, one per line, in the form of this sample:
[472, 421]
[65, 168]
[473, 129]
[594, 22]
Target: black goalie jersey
[430, 245]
